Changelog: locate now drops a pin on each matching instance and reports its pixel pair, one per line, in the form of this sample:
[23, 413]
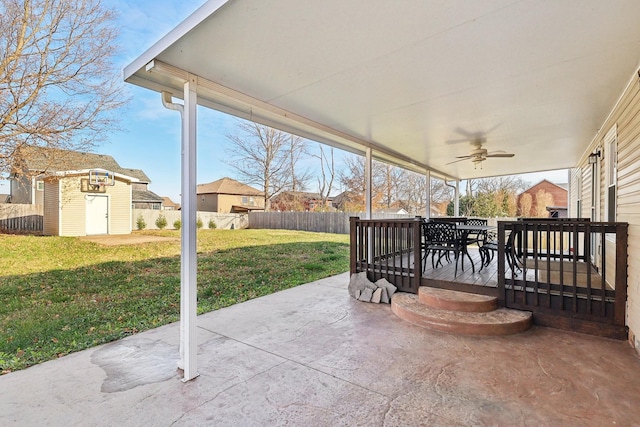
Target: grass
[59, 294]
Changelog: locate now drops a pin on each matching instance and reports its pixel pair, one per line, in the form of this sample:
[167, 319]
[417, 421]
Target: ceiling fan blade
[463, 157]
[460, 160]
[500, 155]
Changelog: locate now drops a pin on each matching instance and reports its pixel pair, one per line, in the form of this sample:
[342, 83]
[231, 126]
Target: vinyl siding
[222, 203]
[72, 208]
[51, 211]
[119, 208]
[20, 190]
[626, 115]
[73, 205]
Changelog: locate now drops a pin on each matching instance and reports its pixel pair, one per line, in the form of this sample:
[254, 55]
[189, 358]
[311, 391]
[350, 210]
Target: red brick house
[543, 200]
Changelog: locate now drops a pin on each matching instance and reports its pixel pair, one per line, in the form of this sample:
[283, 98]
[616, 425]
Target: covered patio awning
[417, 81]
[413, 83]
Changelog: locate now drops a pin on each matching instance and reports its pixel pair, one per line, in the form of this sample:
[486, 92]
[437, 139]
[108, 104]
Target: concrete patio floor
[312, 356]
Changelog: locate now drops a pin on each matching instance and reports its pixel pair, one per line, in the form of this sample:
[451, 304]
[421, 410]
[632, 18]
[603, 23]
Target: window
[611, 172]
[245, 200]
[40, 185]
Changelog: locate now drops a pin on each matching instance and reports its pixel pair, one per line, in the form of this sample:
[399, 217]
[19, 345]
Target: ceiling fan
[478, 155]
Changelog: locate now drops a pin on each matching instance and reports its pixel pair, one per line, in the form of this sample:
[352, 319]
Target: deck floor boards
[488, 276]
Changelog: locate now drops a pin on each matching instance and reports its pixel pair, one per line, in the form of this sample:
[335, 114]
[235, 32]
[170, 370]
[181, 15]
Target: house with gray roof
[81, 193]
[33, 162]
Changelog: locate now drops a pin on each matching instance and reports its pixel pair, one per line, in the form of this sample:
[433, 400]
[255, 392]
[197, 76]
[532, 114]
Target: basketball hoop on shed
[99, 178]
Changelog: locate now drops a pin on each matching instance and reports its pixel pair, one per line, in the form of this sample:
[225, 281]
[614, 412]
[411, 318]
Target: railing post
[353, 243]
[502, 295]
[417, 253]
[621, 273]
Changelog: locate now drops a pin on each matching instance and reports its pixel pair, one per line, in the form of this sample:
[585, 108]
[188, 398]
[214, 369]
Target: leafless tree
[58, 85]
[296, 148]
[327, 174]
[511, 184]
[261, 156]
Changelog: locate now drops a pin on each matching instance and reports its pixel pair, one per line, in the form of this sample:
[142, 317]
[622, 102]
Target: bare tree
[352, 180]
[327, 175]
[297, 148]
[58, 86]
[510, 184]
[259, 155]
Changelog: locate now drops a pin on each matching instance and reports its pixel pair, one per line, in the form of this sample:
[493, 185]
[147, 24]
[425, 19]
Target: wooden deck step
[501, 321]
[456, 301]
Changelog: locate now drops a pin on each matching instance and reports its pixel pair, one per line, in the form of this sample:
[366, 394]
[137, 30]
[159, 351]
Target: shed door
[97, 214]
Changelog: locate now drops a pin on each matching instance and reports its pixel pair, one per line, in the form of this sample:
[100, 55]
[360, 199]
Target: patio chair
[488, 247]
[441, 239]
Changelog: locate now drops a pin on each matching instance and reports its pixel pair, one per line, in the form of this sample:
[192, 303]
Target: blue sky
[150, 135]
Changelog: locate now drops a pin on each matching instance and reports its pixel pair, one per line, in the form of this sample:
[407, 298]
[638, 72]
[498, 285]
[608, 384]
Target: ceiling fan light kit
[478, 155]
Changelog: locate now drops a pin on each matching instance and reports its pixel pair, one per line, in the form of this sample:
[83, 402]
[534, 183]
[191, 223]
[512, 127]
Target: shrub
[161, 222]
[199, 223]
[177, 224]
[212, 224]
[140, 223]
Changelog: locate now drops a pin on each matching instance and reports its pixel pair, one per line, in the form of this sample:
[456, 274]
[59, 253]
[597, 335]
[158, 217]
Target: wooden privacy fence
[569, 273]
[19, 218]
[389, 249]
[322, 222]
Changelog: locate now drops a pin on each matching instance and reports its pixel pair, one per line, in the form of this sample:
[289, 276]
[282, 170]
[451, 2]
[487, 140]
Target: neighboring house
[394, 211]
[59, 180]
[141, 196]
[348, 201]
[5, 198]
[300, 201]
[169, 205]
[227, 195]
[545, 199]
[26, 187]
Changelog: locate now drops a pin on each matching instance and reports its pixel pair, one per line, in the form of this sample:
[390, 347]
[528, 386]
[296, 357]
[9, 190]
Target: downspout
[167, 103]
[456, 197]
[187, 350]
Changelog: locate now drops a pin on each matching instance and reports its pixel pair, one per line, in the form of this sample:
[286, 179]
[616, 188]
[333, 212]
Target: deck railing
[389, 249]
[565, 271]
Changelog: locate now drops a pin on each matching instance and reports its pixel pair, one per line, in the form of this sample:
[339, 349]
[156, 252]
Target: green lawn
[61, 294]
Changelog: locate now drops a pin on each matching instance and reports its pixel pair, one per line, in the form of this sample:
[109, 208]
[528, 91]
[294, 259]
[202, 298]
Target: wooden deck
[571, 295]
[483, 281]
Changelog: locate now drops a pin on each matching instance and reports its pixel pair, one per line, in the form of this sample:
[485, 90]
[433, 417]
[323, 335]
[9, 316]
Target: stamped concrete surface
[313, 356]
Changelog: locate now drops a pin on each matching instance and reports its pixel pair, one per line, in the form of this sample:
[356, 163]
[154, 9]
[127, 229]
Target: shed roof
[43, 159]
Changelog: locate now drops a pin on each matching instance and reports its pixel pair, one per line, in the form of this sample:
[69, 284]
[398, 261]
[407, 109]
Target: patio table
[465, 230]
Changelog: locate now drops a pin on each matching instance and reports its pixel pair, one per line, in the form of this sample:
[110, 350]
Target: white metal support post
[368, 179]
[188, 266]
[456, 203]
[368, 183]
[427, 213]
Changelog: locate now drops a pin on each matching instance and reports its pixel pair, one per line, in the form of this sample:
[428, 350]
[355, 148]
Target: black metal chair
[441, 239]
[488, 247]
[475, 237]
